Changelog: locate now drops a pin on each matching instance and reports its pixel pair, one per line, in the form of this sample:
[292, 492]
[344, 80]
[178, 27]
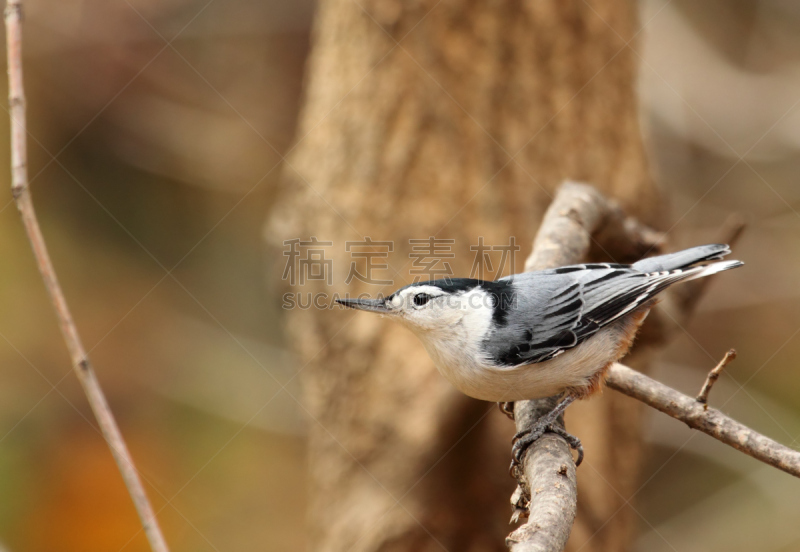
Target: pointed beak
[371, 305]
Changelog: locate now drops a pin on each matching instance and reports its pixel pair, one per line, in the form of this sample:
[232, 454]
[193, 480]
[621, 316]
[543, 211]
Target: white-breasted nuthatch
[541, 333]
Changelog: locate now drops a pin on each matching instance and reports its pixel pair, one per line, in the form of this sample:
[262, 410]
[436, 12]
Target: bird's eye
[421, 298]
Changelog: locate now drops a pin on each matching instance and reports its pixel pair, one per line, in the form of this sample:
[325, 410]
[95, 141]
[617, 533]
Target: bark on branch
[80, 360]
[547, 491]
[699, 416]
[579, 219]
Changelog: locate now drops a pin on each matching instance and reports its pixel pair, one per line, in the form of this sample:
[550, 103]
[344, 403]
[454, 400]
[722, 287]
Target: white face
[451, 324]
[430, 308]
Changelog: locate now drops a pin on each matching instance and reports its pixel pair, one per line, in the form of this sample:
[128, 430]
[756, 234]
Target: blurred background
[156, 135]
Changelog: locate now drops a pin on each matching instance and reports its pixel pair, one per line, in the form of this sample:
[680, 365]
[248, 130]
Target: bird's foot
[519, 445]
[524, 439]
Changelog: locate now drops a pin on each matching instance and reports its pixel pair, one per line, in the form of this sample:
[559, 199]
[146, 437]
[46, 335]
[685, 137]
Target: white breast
[455, 347]
[460, 361]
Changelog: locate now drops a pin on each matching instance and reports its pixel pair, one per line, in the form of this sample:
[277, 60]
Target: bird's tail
[688, 258]
[708, 270]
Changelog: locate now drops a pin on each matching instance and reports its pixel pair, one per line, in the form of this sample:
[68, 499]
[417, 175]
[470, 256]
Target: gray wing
[554, 310]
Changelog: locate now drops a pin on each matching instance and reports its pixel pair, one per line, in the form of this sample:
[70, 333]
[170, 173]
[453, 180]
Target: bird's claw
[519, 435]
[524, 439]
[507, 408]
[573, 442]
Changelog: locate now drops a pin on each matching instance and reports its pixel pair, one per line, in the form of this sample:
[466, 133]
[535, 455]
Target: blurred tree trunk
[415, 140]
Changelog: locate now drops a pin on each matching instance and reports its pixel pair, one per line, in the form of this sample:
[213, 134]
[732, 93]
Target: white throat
[455, 346]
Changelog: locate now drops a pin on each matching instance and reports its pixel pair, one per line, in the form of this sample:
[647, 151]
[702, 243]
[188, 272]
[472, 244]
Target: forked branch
[80, 360]
[578, 218]
[548, 488]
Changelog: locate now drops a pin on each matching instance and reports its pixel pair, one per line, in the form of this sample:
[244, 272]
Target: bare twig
[713, 375]
[80, 360]
[708, 420]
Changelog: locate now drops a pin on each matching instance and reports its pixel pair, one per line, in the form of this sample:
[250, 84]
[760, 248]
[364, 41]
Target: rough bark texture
[416, 140]
[578, 219]
[697, 415]
[550, 493]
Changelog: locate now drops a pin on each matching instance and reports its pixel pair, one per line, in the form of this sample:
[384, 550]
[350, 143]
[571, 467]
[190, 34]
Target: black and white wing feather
[552, 311]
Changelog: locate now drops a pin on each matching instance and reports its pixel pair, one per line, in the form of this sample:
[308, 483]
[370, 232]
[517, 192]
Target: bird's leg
[507, 408]
[524, 439]
[545, 421]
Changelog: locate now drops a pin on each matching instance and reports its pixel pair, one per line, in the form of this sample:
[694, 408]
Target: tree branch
[581, 221]
[80, 360]
[577, 213]
[550, 489]
[698, 416]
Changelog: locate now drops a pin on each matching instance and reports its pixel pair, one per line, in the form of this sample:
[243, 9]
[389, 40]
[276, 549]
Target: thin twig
[708, 420]
[713, 375]
[80, 360]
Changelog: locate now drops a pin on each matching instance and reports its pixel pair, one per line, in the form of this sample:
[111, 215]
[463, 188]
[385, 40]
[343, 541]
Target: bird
[541, 333]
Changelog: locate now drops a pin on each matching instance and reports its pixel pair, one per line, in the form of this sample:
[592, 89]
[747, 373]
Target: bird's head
[431, 306]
